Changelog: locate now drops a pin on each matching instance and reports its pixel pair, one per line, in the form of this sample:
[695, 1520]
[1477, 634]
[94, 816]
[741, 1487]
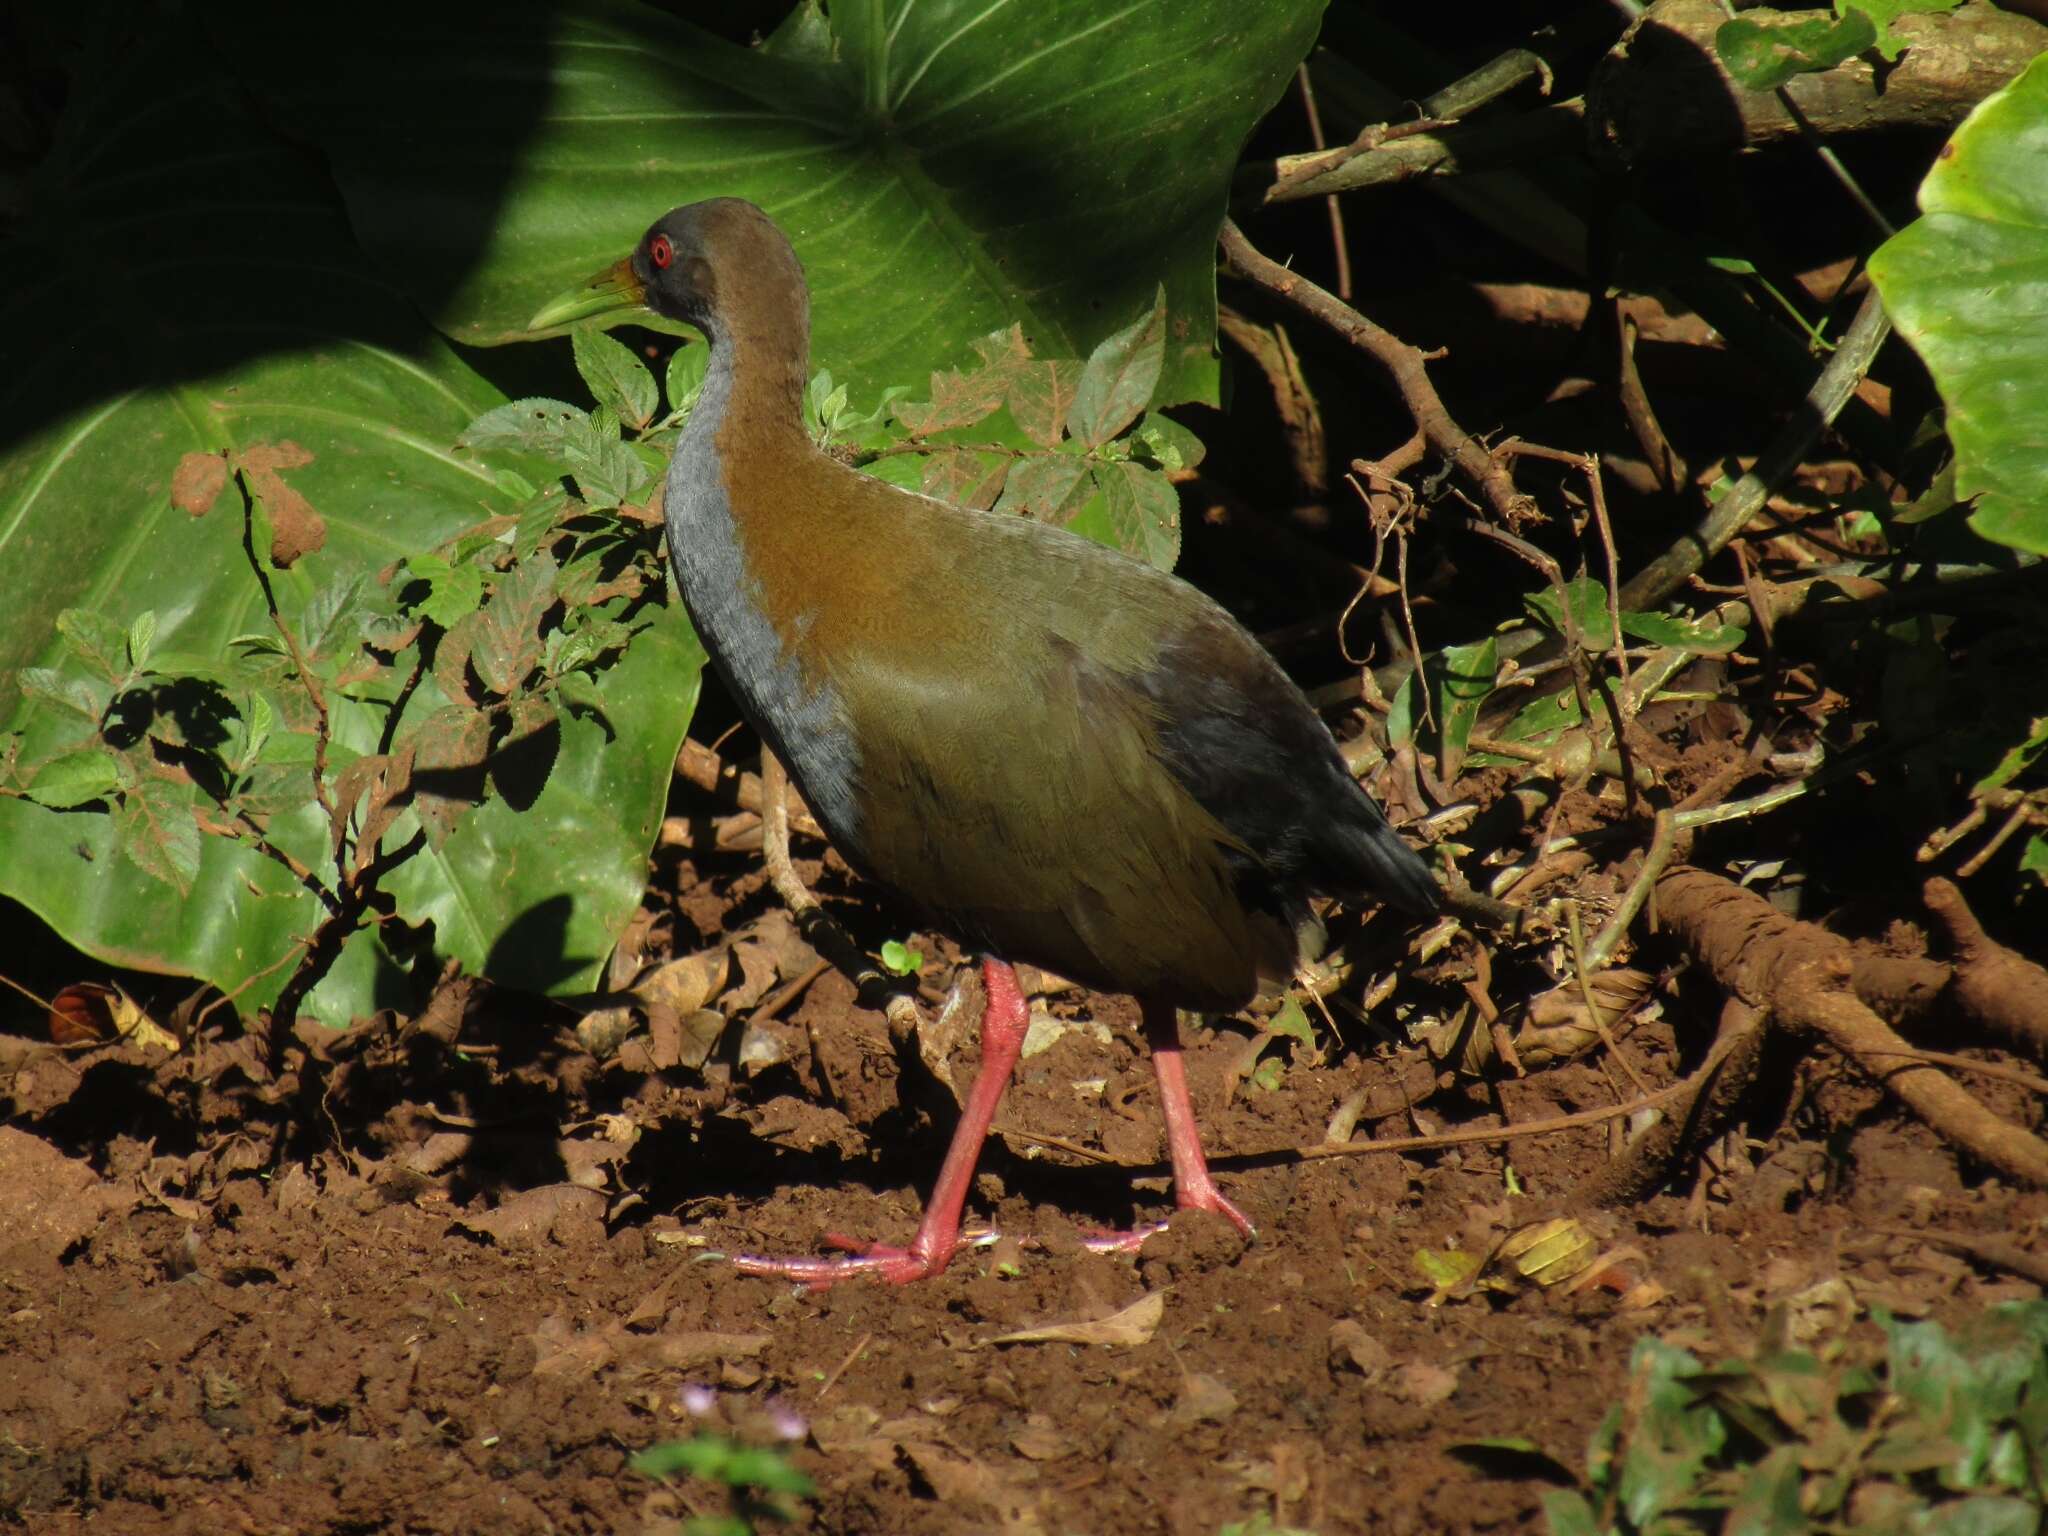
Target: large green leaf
[230, 318]
[945, 167]
[1967, 285]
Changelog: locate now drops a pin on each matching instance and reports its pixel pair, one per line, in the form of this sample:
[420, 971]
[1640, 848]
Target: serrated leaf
[1040, 395]
[92, 773]
[157, 831]
[617, 379]
[1143, 511]
[141, 636]
[1119, 379]
[1047, 486]
[1168, 443]
[97, 641]
[534, 425]
[453, 591]
[687, 366]
[87, 697]
[505, 645]
[965, 477]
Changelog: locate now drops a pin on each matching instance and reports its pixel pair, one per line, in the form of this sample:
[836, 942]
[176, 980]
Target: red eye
[660, 252]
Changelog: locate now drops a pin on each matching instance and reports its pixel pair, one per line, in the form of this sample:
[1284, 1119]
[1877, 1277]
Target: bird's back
[1064, 756]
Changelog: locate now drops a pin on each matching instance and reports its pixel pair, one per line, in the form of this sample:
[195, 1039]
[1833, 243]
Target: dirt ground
[494, 1272]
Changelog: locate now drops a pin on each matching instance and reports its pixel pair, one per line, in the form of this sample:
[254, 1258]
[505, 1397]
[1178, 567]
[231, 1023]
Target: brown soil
[510, 1280]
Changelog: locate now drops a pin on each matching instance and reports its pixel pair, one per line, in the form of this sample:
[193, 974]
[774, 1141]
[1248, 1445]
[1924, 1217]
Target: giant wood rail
[1058, 754]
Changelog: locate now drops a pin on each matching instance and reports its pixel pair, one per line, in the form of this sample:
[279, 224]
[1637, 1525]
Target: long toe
[898, 1266]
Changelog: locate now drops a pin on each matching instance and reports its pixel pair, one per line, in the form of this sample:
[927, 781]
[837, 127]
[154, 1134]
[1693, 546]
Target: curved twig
[1403, 364]
[1831, 391]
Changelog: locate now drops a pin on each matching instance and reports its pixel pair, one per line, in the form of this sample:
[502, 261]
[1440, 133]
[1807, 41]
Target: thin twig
[1831, 390]
[1663, 838]
[1339, 246]
[1403, 365]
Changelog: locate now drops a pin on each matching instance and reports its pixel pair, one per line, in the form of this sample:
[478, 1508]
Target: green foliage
[331, 690]
[1965, 285]
[942, 166]
[1762, 54]
[249, 795]
[1764, 49]
[899, 959]
[753, 1476]
[1949, 1433]
[1058, 439]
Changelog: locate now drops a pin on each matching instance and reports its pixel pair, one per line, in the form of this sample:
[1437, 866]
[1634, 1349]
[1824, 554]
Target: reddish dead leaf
[82, 1014]
[296, 530]
[198, 481]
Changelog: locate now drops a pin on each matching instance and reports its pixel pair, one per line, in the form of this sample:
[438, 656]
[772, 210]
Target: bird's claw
[885, 1261]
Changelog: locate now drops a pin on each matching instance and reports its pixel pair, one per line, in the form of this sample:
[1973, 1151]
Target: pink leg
[938, 1235]
[1194, 1189]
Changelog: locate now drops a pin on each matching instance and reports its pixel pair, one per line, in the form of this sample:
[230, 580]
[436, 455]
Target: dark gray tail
[1366, 856]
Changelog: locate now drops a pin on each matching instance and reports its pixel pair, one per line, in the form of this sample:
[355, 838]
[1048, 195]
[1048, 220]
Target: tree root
[1799, 975]
[1998, 985]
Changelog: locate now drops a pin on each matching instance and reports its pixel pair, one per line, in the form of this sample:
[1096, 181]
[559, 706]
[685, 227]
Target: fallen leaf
[687, 983]
[1423, 1384]
[1352, 1348]
[534, 1213]
[1038, 1440]
[1132, 1325]
[1203, 1399]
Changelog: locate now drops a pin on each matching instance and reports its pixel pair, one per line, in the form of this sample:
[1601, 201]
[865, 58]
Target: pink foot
[1206, 1199]
[898, 1266]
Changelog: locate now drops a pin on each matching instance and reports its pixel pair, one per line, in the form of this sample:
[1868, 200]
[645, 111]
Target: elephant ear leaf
[1963, 285]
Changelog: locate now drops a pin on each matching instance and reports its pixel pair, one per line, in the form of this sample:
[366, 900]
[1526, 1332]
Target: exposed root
[1800, 975]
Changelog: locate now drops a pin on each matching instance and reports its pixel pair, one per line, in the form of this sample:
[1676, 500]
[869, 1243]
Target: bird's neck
[744, 520]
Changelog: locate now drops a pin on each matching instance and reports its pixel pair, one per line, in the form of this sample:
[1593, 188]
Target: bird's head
[677, 267]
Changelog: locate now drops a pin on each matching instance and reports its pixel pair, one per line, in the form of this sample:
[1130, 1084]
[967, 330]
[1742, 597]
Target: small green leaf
[257, 724]
[156, 829]
[1118, 380]
[1292, 1022]
[1683, 634]
[1169, 444]
[1143, 511]
[453, 591]
[82, 695]
[141, 636]
[95, 640]
[1569, 1514]
[72, 780]
[2034, 857]
[687, 366]
[2018, 760]
[618, 380]
[1589, 609]
[1763, 55]
[899, 959]
[535, 425]
[1883, 13]
[1269, 1074]
[1468, 674]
